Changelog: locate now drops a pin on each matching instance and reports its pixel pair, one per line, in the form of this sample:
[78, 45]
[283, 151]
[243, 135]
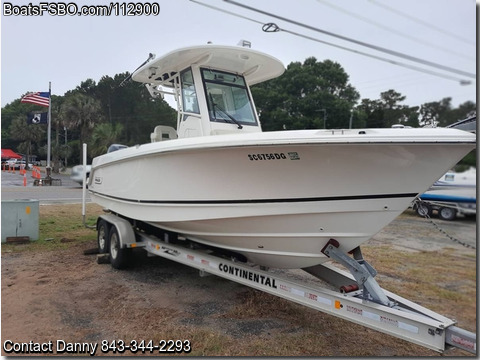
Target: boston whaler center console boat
[277, 198]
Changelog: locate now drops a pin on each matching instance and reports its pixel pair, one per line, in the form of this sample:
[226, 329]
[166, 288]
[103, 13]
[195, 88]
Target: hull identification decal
[274, 156]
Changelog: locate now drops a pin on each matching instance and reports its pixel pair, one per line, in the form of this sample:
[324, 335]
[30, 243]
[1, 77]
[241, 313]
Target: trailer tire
[118, 255]
[446, 213]
[102, 237]
[423, 209]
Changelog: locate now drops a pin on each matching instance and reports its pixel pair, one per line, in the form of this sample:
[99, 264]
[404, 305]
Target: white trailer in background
[358, 297]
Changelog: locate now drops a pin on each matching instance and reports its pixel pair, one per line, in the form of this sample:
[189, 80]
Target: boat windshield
[227, 98]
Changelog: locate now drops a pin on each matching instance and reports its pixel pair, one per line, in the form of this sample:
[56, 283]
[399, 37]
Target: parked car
[16, 164]
[77, 173]
[19, 164]
[11, 162]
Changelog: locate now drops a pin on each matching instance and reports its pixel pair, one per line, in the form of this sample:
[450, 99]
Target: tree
[393, 111]
[29, 135]
[305, 95]
[410, 116]
[81, 111]
[442, 114]
[465, 110]
[132, 106]
[87, 87]
[387, 111]
[433, 112]
[103, 136]
[372, 112]
[10, 112]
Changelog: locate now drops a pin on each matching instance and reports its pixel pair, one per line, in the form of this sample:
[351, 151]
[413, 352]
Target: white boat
[275, 197]
[453, 180]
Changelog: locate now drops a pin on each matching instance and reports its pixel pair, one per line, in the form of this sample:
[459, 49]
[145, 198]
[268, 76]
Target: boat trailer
[359, 297]
[446, 210]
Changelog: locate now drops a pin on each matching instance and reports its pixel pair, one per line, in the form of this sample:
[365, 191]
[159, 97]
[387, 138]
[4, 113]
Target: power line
[380, 85]
[271, 27]
[393, 62]
[362, 43]
[420, 21]
[227, 12]
[391, 30]
[399, 79]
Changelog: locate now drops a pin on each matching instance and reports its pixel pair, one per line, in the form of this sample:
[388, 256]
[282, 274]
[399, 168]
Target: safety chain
[427, 217]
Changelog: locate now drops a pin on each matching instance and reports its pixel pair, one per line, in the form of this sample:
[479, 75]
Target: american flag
[38, 98]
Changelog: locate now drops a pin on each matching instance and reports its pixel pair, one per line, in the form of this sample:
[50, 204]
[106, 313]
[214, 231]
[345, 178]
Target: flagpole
[49, 131]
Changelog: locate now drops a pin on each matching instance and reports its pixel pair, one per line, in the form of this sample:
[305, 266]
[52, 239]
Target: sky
[66, 50]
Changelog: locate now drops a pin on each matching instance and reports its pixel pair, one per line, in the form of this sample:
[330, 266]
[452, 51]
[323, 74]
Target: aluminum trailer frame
[362, 301]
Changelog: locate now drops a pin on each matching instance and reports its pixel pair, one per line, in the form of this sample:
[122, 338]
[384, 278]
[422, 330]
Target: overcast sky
[67, 50]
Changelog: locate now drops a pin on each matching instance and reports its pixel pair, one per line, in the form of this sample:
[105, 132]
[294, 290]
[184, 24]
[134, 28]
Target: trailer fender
[123, 226]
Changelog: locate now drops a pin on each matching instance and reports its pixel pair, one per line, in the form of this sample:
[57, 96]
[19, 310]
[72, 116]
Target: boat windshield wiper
[223, 112]
[231, 118]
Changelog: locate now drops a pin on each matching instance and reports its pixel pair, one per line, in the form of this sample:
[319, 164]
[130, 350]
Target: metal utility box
[20, 218]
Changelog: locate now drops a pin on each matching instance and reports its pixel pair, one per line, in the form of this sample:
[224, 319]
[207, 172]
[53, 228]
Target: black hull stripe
[262, 201]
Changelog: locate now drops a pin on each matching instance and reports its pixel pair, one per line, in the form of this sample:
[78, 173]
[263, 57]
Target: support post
[84, 187]
[49, 126]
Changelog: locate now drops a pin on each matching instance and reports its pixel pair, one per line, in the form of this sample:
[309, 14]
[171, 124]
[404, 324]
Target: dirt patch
[64, 295]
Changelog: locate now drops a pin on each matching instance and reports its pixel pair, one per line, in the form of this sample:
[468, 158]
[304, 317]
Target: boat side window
[189, 94]
[227, 97]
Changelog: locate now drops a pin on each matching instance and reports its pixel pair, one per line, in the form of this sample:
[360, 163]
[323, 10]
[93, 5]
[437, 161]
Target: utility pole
[66, 147]
[49, 127]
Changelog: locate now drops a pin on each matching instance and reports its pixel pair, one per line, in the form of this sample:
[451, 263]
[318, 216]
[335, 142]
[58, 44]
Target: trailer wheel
[423, 209]
[446, 213]
[102, 237]
[118, 255]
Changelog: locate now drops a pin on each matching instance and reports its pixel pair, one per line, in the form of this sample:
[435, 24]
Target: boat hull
[277, 198]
